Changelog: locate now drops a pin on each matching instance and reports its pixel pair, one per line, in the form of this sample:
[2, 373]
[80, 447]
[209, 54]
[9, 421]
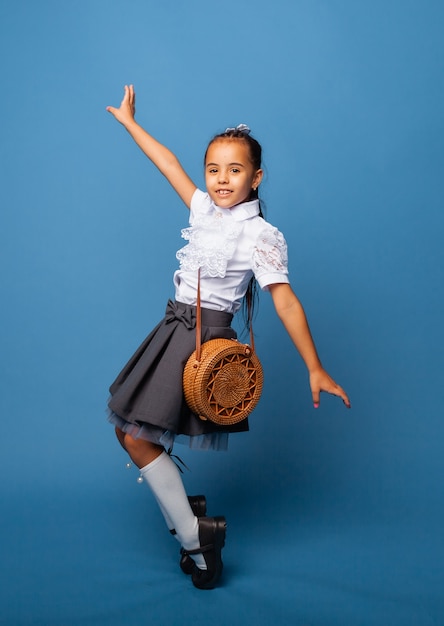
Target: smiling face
[229, 173]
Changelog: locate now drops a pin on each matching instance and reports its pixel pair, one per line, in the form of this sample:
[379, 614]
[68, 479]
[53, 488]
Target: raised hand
[161, 156]
[127, 110]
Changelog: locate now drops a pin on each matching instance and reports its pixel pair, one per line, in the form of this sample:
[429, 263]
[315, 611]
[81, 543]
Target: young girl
[233, 246]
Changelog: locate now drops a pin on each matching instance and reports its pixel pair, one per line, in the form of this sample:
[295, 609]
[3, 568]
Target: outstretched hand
[321, 381]
[125, 113]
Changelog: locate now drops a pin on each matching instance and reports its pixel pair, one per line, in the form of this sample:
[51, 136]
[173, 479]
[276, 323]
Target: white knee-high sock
[168, 522]
[165, 482]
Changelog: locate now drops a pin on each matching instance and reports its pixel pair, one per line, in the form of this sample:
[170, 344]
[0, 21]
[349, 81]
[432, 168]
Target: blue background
[335, 516]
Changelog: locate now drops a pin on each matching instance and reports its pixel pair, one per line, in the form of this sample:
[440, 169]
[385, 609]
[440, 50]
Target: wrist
[314, 368]
[131, 125]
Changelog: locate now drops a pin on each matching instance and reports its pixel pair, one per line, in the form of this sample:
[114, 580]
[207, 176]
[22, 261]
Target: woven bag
[223, 378]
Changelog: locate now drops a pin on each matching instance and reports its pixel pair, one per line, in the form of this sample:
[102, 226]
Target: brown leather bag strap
[250, 321]
[199, 321]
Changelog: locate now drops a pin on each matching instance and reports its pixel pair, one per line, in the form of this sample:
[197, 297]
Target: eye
[235, 170]
[212, 170]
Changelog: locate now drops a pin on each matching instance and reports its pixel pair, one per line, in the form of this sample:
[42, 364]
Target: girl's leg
[121, 437]
[197, 503]
[163, 478]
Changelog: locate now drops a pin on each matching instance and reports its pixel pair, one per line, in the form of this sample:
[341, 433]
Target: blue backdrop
[335, 516]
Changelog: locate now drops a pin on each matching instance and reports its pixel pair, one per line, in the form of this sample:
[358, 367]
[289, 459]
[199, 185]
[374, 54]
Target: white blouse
[229, 245]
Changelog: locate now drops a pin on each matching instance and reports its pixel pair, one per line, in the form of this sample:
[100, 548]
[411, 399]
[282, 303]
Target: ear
[257, 179]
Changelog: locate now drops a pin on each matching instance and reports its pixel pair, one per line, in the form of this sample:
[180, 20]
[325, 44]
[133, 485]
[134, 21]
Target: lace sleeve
[270, 258]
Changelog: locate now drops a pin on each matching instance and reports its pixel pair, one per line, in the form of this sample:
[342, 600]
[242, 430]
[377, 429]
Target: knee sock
[165, 482]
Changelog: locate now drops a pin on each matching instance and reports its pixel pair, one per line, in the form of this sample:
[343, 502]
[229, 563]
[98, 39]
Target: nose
[223, 176]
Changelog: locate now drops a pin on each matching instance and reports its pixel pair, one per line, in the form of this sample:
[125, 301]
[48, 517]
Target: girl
[234, 247]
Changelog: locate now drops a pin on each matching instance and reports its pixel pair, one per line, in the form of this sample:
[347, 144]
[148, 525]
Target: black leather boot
[198, 505]
[212, 531]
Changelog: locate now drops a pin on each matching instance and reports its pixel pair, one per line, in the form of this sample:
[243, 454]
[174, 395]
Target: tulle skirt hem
[216, 441]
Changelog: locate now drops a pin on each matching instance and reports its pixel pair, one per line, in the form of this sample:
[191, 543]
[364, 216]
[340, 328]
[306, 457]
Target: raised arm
[292, 315]
[166, 162]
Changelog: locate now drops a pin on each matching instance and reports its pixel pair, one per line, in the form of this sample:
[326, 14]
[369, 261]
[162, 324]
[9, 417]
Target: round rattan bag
[225, 384]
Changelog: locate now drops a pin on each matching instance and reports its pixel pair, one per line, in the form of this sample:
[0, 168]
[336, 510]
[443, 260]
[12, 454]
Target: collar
[241, 212]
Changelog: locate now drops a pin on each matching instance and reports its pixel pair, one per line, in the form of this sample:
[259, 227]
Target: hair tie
[241, 128]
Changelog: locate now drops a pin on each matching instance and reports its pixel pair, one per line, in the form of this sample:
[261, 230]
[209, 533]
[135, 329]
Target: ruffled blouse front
[229, 245]
[212, 242]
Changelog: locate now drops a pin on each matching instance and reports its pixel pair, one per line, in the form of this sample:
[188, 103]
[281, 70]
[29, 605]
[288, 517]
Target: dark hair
[255, 149]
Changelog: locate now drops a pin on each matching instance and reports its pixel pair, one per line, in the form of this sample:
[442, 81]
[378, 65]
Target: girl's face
[229, 173]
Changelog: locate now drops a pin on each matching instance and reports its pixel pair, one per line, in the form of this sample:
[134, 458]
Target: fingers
[129, 98]
[328, 385]
[127, 107]
[126, 95]
[340, 393]
[345, 398]
[316, 399]
[132, 98]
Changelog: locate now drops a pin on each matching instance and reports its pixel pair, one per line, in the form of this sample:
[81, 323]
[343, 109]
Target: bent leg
[162, 476]
[141, 452]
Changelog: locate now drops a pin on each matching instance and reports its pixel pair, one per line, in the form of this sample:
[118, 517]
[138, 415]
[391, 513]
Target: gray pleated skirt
[147, 397]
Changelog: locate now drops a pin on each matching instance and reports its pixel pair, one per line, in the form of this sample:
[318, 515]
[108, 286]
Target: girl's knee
[139, 446]
[140, 451]
[130, 443]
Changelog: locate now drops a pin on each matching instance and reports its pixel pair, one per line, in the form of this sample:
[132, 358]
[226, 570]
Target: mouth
[223, 192]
